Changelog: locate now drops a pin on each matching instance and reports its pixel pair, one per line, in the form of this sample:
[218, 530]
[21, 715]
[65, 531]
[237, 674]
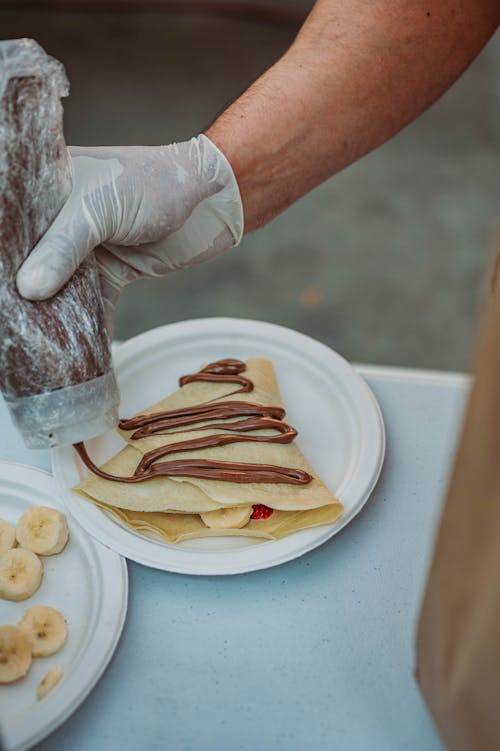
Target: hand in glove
[151, 210]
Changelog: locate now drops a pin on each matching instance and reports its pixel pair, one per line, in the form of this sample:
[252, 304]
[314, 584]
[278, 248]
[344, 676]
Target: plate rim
[234, 563]
[23, 736]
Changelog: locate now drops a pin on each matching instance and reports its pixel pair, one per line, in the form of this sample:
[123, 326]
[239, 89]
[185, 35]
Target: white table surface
[314, 654]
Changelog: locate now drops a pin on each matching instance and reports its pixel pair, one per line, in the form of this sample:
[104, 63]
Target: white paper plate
[88, 584]
[340, 426]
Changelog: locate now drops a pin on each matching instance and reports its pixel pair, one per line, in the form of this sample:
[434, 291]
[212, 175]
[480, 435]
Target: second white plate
[88, 584]
[340, 426]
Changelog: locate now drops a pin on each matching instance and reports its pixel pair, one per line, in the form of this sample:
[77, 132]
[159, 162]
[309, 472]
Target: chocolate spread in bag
[55, 365]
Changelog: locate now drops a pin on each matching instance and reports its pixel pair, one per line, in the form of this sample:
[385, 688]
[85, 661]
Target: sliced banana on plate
[20, 574]
[43, 530]
[227, 518]
[7, 536]
[15, 653]
[46, 628]
[49, 682]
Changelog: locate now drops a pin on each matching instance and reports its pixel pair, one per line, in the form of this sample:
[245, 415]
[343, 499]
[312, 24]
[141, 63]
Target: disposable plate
[88, 584]
[341, 432]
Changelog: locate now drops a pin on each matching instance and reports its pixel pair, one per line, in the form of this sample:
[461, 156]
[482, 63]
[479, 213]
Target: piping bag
[56, 373]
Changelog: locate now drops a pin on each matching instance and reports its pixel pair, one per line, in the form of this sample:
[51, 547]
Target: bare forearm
[356, 74]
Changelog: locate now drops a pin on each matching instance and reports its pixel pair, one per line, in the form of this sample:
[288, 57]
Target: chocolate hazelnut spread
[220, 372]
[212, 415]
[55, 364]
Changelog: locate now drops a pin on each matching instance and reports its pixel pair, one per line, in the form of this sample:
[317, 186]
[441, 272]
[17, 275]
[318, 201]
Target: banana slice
[20, 574]
[49, 682]
[46, 628]
[15, 653]
[7, 536]
[42, 530]
[227, 518]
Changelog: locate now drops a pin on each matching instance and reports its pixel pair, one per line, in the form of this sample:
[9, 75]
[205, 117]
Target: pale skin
[358, 72]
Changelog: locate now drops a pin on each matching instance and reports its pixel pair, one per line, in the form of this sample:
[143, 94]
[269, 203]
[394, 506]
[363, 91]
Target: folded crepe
[179, 507]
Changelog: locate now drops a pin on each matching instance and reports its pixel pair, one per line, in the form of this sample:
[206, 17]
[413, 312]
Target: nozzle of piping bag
[68, 415]
[56, 373]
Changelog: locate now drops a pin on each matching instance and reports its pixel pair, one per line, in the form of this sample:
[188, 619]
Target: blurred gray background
[385, 262]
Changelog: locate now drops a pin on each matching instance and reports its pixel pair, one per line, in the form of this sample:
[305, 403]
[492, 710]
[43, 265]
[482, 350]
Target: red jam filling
[261, 512]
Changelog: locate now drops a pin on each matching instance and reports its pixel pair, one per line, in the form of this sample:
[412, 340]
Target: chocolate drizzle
[254, 417]
[222, 371]
[163, 422]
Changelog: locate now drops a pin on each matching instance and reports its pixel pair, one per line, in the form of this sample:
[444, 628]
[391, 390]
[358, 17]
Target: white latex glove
[151, 210]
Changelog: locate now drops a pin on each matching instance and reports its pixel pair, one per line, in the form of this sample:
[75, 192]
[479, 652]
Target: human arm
[357, 73]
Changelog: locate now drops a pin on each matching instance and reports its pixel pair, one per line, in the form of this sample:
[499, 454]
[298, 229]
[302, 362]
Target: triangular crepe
[191, 496]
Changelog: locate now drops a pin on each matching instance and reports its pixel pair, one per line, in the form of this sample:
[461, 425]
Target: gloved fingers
[153, 209]
[86, 219]
[57, 256]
